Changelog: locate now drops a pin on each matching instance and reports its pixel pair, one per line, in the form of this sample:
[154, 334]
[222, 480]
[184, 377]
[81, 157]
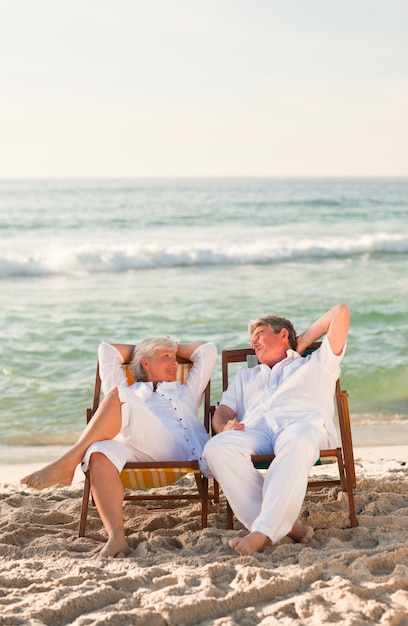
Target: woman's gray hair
[145, 349]
[276, 324]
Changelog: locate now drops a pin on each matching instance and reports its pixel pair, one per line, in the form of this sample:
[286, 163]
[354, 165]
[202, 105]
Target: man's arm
[335, 323]
[225, 419]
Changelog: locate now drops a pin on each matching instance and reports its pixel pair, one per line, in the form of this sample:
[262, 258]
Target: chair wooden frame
[178, 468]
[343, 454]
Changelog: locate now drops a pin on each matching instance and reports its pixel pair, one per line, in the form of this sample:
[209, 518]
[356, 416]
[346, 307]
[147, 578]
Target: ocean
[82, 261]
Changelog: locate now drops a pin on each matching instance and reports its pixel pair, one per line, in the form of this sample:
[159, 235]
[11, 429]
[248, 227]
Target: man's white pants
[271, 505]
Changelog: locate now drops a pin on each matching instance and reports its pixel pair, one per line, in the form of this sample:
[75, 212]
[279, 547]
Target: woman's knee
[112, 397]
[98, 460]
[111, 408]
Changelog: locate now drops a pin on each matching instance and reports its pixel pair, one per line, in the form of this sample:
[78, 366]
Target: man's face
[270, 347]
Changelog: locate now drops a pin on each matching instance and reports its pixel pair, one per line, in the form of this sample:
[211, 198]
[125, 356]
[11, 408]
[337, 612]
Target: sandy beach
[181, 575]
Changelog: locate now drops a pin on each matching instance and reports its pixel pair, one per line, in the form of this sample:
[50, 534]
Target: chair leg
[353, 516]
[230, 517]
[350, 478]
[216, 491]
[204, 503]
[84, 506]
[342, 472]
[348, 444]
[202, 486]
[347, 480]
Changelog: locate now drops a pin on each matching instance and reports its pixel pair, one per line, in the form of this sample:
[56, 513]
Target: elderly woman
[153, 419]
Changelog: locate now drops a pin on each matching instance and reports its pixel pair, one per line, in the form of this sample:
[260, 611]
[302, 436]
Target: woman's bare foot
[301, 533]
[56, 473]
[254, 542]
[115, 546]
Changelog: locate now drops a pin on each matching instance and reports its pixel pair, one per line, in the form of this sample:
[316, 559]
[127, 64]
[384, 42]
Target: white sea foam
[111, 258]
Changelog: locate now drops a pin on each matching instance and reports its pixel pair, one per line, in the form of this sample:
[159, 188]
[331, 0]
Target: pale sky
[131, 88]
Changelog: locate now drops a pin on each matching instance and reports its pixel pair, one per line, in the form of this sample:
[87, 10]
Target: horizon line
[207, 176]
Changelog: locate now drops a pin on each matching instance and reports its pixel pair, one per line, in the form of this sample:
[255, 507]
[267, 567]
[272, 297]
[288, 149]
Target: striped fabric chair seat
[152, 478]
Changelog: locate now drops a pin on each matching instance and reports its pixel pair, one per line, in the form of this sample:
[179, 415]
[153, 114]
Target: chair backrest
[184, 366]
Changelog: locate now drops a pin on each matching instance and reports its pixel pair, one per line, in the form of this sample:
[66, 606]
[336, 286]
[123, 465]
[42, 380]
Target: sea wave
[117, 258]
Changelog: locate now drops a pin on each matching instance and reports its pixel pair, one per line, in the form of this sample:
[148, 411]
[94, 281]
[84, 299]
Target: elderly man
[282, 406]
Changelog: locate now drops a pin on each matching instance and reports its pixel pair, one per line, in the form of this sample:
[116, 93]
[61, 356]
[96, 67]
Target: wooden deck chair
[343, 455]
[141, 476]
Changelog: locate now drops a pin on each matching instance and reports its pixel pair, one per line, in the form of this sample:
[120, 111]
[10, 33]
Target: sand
[181, 575]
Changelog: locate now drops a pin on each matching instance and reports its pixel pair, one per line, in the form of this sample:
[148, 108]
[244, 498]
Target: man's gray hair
[276, 324]
[145, 349]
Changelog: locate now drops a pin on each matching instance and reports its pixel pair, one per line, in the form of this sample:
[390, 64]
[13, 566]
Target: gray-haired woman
[155, 418]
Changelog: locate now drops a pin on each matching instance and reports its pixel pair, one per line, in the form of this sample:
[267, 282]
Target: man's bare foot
[254, 542]
[115, 546]
[301, 533]
[56, 473]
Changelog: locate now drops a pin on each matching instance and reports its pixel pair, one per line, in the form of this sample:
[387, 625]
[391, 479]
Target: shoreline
[365, 435]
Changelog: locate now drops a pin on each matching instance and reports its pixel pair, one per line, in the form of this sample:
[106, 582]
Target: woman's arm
[185, 350]
[203, 357]
[125, 350]
[111, 368]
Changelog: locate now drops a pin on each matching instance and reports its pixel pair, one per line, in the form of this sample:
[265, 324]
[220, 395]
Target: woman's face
[161, 367]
